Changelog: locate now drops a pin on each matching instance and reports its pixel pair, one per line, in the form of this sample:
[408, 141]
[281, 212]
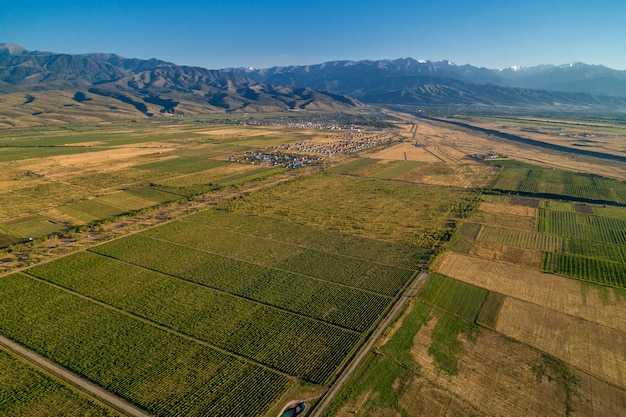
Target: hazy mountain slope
[435, 83]
[147, 86]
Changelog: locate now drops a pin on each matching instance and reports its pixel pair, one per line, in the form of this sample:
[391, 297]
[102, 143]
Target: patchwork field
[69, 177]
[525, 314]
[215, 277]
[254, 297]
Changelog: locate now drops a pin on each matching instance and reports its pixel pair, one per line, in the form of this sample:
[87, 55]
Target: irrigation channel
[334, 389]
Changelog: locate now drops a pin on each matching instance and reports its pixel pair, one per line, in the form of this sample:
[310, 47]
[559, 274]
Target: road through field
[334, 389]
[86, 387]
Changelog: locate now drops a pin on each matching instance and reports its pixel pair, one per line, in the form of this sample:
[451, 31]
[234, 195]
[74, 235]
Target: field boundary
[329, 395]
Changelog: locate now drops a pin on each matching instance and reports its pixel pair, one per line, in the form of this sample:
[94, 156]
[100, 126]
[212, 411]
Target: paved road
[77, 382]
[334, 389]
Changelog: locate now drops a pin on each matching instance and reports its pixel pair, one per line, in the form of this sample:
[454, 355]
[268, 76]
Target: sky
[218, 34]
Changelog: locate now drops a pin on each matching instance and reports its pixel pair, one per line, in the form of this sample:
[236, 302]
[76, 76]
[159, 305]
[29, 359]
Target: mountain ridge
[153, 86]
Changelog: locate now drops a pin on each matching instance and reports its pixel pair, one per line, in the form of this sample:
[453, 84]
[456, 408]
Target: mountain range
[410, 81]
[101, 84]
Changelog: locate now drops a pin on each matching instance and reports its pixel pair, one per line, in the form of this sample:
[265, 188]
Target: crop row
[387, 253]
[537, 180]
[616, 253]
[587, 269]
[608, 211]
[582, 226]
[297, 345]
[28, 392]
[454, 296]
[344, 306]
[164, 373]
[386, 280]
[520, 238]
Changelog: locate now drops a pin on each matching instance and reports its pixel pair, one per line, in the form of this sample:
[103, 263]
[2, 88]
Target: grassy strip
[454, 296]
[399, 345]
[446, 347]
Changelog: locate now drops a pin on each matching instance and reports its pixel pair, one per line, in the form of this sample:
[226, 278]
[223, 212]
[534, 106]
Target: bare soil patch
[518, 256]
[557, 293]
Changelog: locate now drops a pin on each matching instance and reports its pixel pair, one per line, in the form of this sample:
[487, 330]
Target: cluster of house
[349, 142]
[483, 156]
[279, 159]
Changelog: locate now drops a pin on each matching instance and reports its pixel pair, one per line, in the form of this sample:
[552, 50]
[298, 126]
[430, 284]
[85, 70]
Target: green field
[454, 296]
[391, 211]
[181, 165]
[534, 180]
[349, 167]
[27, 392]
[243, 222]
[520, 238]
[323, 300]
[164, 372]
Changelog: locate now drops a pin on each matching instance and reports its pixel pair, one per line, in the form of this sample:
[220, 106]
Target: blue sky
[219, 34]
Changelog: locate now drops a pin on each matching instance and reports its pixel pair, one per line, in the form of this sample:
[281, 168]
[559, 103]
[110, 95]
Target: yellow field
[406, 151]
[512, 209]
[589, 346]
[495, 377]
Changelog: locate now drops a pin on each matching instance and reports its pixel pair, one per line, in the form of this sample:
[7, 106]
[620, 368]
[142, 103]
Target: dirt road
[334, 389]
[85, 387]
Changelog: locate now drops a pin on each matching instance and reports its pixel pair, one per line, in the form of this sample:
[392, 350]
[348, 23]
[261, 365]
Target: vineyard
[336, 304]
[264, 333]
[519, 238]
[163, 372]
[250, 300]
[534, 180]
[29, 393]
[393, 254]
[582, 241]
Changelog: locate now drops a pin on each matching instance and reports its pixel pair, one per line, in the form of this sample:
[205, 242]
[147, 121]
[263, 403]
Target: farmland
[28, 392]
[89, 173]
[525, 313]
[195, 279]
